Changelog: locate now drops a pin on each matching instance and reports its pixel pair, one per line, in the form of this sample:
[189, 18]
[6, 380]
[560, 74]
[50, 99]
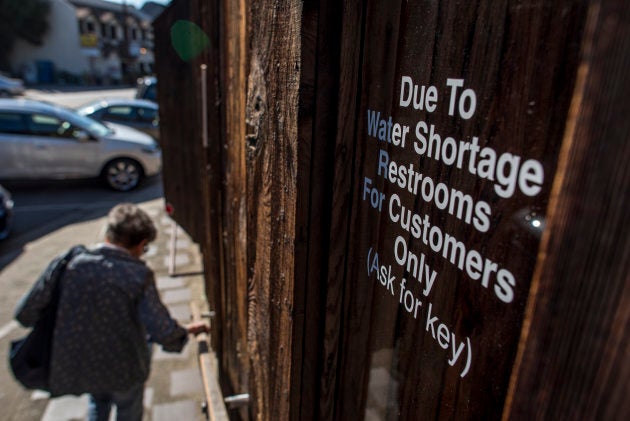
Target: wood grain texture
[286, 229]
[574, 362]
[318, 104]
[515, 58]
[340, 236]
[272, 91]
[234, 202]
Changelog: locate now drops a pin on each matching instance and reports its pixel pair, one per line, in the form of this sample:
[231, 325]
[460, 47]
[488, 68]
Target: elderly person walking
[109, 312]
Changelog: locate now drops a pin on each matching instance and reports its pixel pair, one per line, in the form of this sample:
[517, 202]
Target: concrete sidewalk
[174, 390]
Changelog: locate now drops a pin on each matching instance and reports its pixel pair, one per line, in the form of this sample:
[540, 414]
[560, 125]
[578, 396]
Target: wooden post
[573, 359]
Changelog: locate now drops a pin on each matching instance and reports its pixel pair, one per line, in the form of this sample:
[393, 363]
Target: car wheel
[4, 94]
[122, 174]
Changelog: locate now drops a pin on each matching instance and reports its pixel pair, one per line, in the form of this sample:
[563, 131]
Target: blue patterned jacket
[109, 307]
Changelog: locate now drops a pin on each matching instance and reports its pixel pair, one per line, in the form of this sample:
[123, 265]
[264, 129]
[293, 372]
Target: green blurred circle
[188, 39]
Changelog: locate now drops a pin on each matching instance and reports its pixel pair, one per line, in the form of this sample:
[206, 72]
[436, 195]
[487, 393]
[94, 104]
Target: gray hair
[128, 225]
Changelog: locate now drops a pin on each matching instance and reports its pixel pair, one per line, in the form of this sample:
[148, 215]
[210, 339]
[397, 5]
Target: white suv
[43, 141]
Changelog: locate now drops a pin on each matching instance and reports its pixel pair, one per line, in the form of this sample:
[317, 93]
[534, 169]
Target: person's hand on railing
[196, 328]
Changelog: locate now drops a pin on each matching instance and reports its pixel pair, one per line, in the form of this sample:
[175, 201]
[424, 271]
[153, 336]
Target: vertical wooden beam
[235, 359]
[210, 162]
[272, 106]
[317, 131]
[573, 360]
[180, 143]
[340, 236]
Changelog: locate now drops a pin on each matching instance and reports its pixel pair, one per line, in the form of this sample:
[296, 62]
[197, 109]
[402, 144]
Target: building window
[89, 27]
[113, 34]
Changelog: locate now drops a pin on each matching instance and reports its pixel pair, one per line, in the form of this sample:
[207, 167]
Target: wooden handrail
[214, 406]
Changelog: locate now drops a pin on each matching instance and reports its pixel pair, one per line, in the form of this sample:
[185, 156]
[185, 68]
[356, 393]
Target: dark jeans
[128, 405]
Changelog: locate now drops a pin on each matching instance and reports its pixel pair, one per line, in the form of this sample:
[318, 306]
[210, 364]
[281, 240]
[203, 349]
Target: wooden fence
[407, 210]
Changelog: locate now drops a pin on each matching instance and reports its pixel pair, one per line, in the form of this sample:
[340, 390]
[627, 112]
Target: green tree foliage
[25, 19]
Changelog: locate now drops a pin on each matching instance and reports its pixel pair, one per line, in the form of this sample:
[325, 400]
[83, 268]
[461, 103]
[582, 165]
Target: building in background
[89, 42]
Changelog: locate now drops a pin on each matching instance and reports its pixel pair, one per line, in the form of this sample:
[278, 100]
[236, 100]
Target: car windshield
[86, 123]
[87, 108]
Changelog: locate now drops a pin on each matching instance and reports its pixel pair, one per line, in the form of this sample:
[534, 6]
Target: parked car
[6, 212]
[137, 113]
[147, 88]
[43, 141]
[11, 87]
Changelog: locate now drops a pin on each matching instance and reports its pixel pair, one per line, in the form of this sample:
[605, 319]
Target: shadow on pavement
[44, 207]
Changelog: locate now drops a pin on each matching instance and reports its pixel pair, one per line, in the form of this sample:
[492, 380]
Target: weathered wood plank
[432, 44]
[291, 228]
[180, 142]
[574, 356]
[234, 202]
[273, 91]
[319, 81]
